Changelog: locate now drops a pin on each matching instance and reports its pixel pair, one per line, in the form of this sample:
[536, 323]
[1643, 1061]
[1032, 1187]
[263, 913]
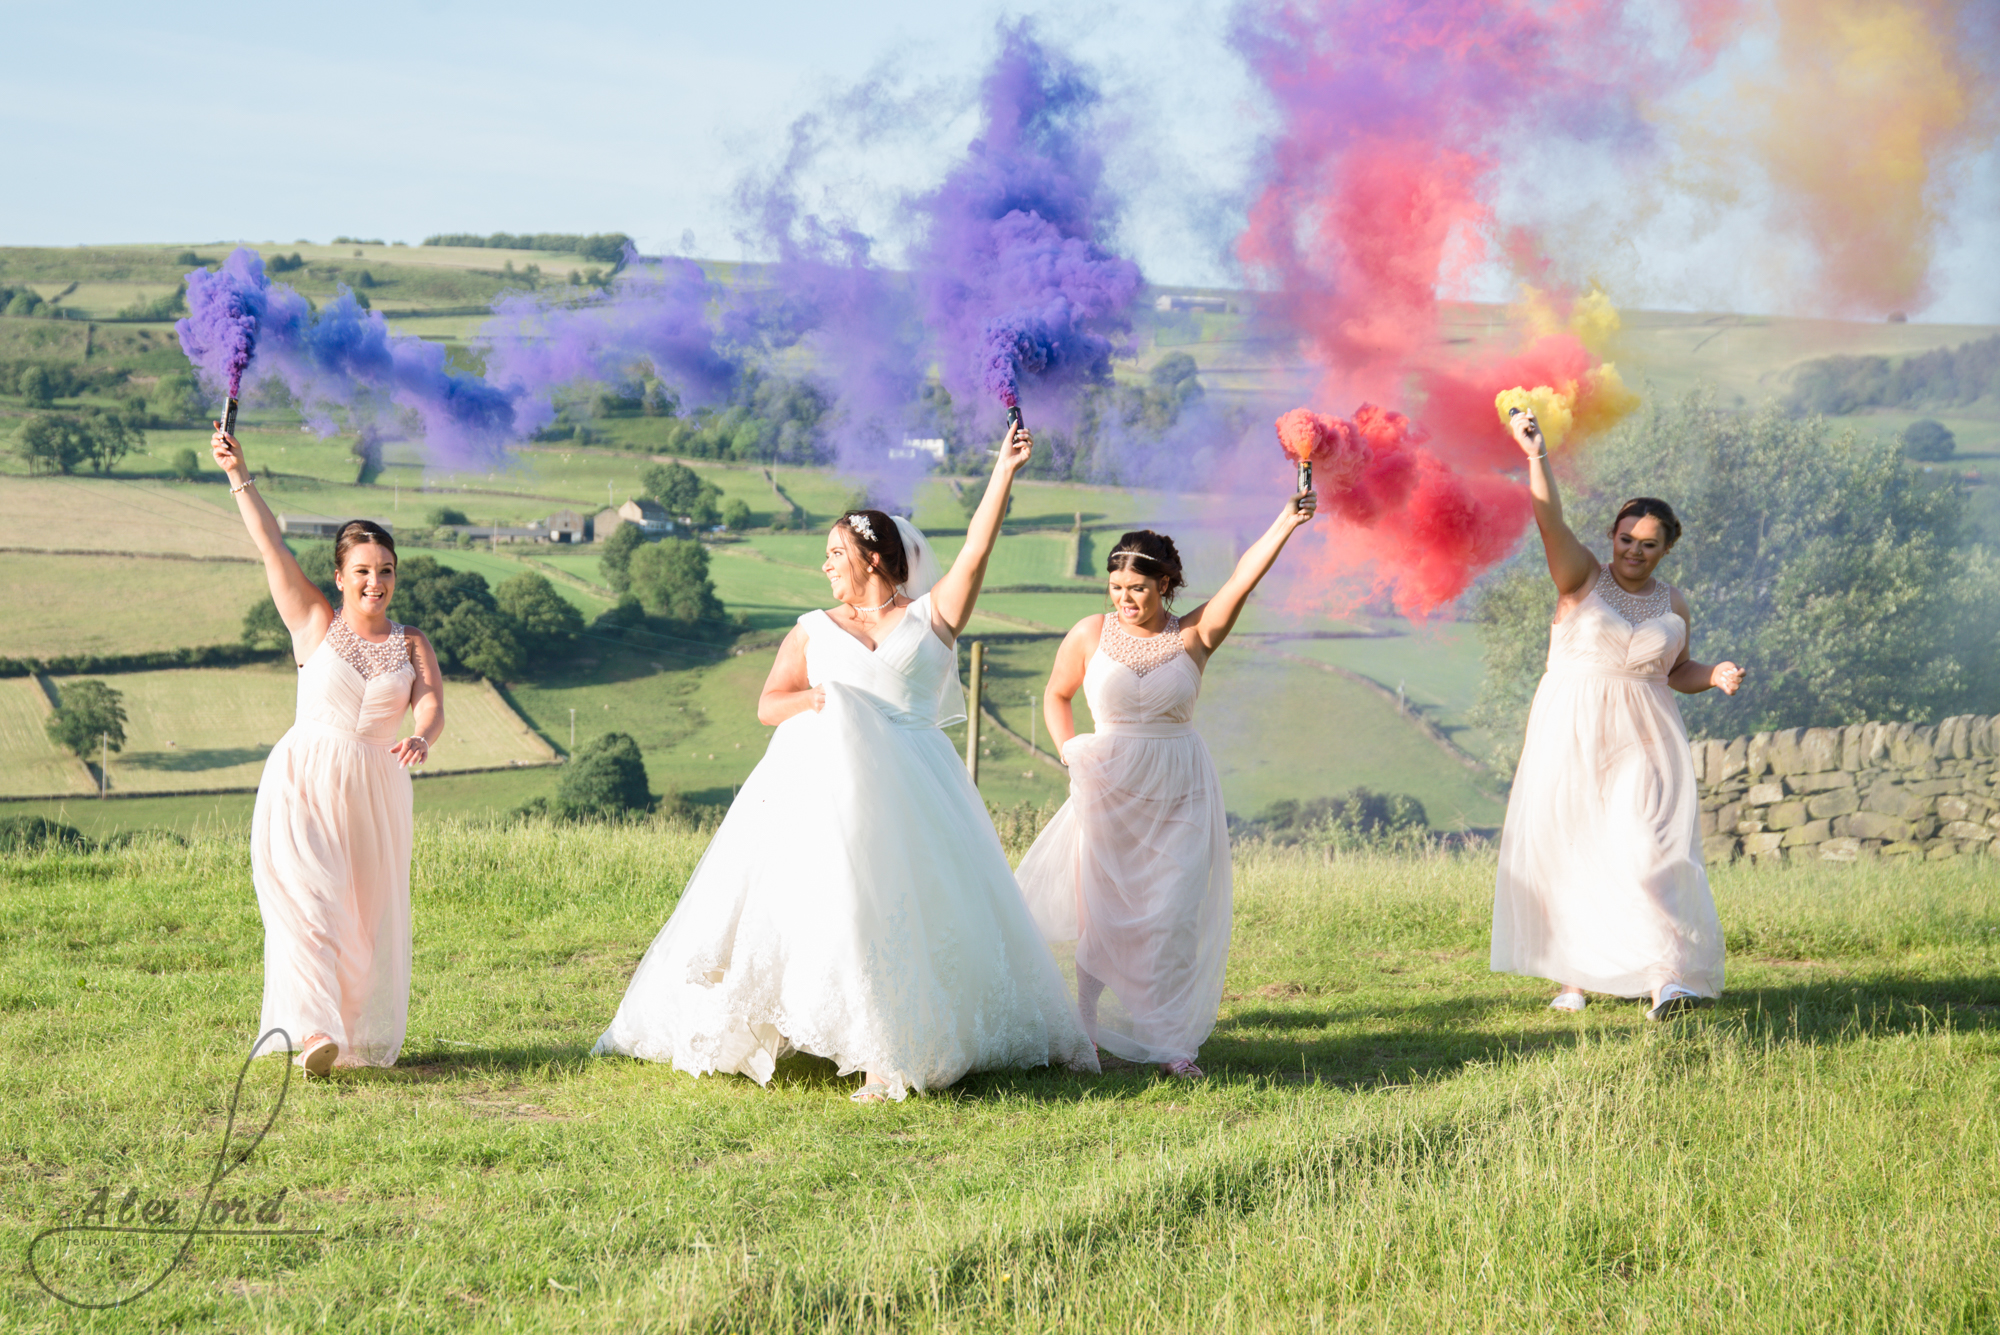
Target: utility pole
[972, 710]
[1031, 722]
[103, 765]
[572, 731]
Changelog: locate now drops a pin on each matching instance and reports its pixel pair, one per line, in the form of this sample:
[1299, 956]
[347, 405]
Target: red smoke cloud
[1396, 121]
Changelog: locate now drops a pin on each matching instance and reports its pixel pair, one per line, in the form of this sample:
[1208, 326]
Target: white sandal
[1674, 1000]
[1569, 1001]
[874, 1092]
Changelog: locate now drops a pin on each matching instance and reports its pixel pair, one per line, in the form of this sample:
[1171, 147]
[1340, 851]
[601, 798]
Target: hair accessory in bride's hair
[860, 524]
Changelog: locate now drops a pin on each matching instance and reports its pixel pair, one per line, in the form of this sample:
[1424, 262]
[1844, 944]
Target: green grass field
[29, 762]
[1389, 1137]
[55, 605]
[192, 729]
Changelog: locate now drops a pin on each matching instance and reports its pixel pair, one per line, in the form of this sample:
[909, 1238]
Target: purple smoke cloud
[1016, 279]
[656, 318]
[340, 361]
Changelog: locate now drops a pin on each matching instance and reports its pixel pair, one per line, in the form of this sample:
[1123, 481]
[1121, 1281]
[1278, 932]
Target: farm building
[1176, 302]
[651, 517]
[321, 526]
[568, 526]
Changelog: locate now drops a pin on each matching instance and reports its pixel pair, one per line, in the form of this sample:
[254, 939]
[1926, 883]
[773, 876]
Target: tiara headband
[1138, 556]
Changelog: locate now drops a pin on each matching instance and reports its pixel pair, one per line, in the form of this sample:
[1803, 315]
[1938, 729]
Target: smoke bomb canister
[229, 417]
[1305, 475]
[1013, 417]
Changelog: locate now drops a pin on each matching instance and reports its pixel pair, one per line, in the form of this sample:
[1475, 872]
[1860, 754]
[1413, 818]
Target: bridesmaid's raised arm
[301, 606]
[1204, 629]
[1571, 565]
[952, 599]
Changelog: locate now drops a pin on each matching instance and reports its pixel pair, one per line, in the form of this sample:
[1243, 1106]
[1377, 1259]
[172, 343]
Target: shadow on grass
[194, 761]
[1427, 1040]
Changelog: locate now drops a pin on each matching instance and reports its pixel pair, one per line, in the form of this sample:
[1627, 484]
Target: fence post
[972, 710]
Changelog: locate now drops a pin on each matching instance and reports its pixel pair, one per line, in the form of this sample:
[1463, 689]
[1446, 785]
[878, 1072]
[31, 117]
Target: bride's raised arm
[954, 595]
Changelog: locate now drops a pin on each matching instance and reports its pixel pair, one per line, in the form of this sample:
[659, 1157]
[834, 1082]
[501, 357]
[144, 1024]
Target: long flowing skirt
[856, 905]
[1135, 869]
[1601, 882]
[330, 857]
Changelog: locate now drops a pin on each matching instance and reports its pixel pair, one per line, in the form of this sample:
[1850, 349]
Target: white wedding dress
[856, 904]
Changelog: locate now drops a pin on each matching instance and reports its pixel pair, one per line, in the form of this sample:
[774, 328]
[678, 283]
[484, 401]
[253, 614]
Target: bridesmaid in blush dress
[1135, 866]
[1601, 885]
[330, 836]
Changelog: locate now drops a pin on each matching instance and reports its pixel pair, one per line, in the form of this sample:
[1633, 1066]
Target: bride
[855, 904]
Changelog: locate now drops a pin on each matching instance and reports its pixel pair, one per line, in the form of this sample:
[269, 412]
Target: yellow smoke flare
[1600, 401]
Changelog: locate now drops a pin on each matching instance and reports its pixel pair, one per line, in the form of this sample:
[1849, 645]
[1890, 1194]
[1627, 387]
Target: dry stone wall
[1862, 791]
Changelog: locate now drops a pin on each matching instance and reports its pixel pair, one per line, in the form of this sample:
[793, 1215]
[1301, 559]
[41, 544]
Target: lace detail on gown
[1636, 608]
[370, 660]
[1141, 653]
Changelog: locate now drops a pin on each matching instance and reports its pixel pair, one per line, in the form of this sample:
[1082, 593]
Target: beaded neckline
[1140, 653]
[370, 660]
[1635, 608]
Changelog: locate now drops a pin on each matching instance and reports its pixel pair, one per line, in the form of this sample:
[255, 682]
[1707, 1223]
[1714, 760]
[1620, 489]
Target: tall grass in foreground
[1390, 1137]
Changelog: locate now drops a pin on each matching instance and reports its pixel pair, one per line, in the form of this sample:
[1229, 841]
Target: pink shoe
[318, 1055]
[1182, 1068]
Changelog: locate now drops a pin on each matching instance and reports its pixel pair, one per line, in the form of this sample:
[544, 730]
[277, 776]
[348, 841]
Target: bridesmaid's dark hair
[359, 533]
[1152, 555]
[886, 545]
[1644, 507]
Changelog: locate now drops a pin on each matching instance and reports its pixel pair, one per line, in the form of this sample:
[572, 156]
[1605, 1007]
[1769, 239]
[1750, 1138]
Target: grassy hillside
[1389, 1138]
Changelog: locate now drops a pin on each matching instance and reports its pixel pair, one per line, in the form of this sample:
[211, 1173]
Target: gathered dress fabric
[330, 854]
[1135, 866]
[1601, 882]
[855, 904]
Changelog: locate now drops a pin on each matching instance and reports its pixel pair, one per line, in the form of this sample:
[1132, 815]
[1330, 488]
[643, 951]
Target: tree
[428, 593]
[187, 465]
[974, 492]
[91, 716]
[543, 621]
[1928, 441]
[478, 639]
[58, 442]
[177, 398]
[445, 515]
[670, 579]
[604, 780]
[736, 516]
[617, 558]
[263, 628]
[683, 494]
[37, 386]
[1847, 583]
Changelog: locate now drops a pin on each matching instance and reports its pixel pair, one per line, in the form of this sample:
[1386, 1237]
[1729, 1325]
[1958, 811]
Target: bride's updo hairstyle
[359, 533]
[876, 534]
[1648, 507]
[1152, 555]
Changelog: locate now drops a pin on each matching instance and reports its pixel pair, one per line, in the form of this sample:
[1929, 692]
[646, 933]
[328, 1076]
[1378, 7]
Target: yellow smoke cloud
[1600, 399]
[1866, 101]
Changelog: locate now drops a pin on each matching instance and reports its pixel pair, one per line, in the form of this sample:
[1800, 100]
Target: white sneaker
[1569, 1001]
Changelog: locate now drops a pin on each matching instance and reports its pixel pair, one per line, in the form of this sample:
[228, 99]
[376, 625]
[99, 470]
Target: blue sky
[208, 122]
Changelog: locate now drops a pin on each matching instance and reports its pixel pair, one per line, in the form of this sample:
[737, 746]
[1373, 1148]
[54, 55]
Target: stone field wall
[1839, 794]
